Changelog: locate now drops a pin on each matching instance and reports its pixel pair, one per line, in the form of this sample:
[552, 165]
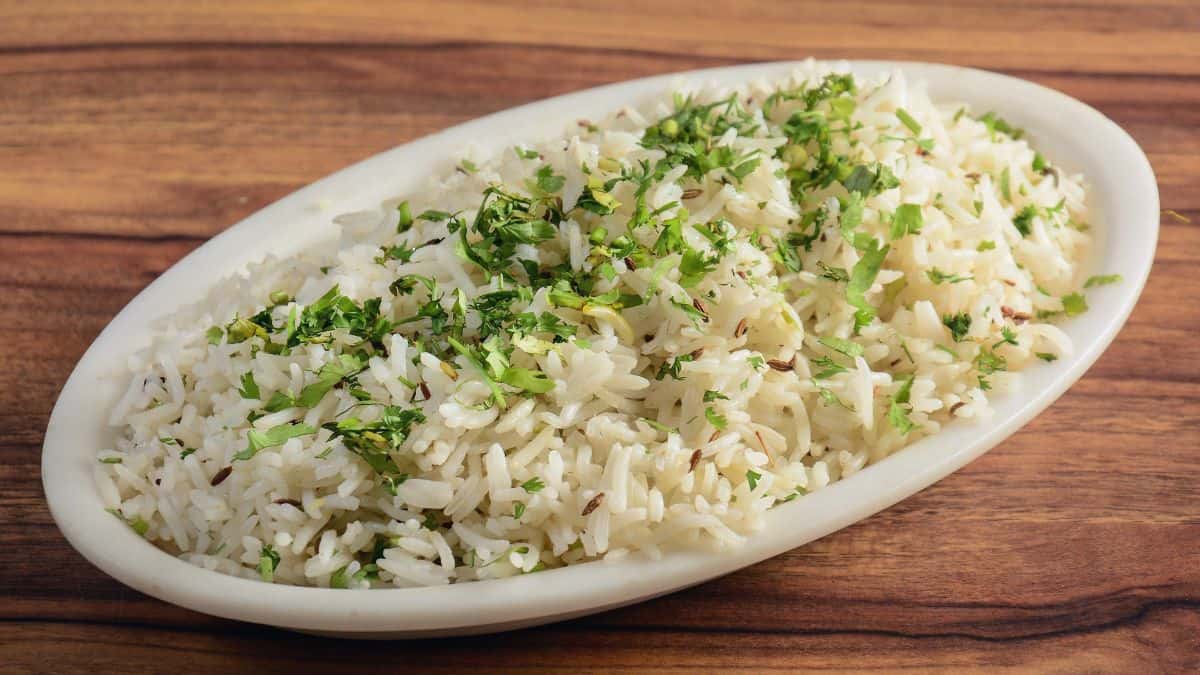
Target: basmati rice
[752, 357]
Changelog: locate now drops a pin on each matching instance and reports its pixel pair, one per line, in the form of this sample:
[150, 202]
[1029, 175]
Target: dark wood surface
[132, 132]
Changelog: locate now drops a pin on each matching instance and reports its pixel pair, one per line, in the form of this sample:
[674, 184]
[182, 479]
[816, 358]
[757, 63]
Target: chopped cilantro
[547, 182]
[995, 123]
[830, 398]
[939, 277]
[1074, 304]
[959, 324]
[907, 220]
[847, 347]
[331, 374]
[375, 441]
[714, 418]
[406, 219]
[693, 267]
[862, 277]
[899, 408]
[835, 274]
[988, 362]
[1023, 221]
[249, 387]
[275, 436]
[908, 121]
[136, 523]
[828, 367]
[1007, 337]
[673, 367]
[268, 561]
[658, 426]
[434, 216]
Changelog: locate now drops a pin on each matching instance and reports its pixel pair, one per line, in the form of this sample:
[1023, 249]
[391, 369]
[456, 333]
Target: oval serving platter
[1077, 137]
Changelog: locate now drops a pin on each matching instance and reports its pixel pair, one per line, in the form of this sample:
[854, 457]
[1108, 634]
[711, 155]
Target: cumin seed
[740, 330]
[1010, 313]
[780, 365]
[220, 476]
[593, 504]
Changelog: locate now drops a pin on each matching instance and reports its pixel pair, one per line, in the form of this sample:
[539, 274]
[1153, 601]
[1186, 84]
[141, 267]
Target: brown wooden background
[131, 132]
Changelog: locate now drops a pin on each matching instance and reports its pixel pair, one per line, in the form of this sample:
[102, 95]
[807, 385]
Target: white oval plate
[1073, 135]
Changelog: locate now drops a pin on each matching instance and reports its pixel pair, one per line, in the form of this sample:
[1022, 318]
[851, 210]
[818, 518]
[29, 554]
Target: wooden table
[130, 134]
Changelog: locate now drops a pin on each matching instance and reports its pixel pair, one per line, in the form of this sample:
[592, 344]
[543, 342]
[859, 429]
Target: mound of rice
[639, 336]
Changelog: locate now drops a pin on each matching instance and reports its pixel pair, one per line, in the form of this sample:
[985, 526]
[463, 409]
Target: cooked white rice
[611, 461]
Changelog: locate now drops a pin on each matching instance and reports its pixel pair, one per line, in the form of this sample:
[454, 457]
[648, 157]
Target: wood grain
[132, 132]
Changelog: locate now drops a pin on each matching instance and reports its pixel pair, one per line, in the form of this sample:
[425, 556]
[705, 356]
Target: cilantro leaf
[862, 277]
[1023, 221]
[959, 324]
[908, 121]
[268, 561]
[1074, 304]
[847, 347]
[279, 401]
[899, 409]
[374, 441]
[693, 267]
[406, 219]
[275, 436]
[249, 388]
[786, 255]
[330, 375]
[714, 418]
[907, 220]
[937, 276]
[532, 381]
[828, 367]
[995, 123]
[673, 367]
